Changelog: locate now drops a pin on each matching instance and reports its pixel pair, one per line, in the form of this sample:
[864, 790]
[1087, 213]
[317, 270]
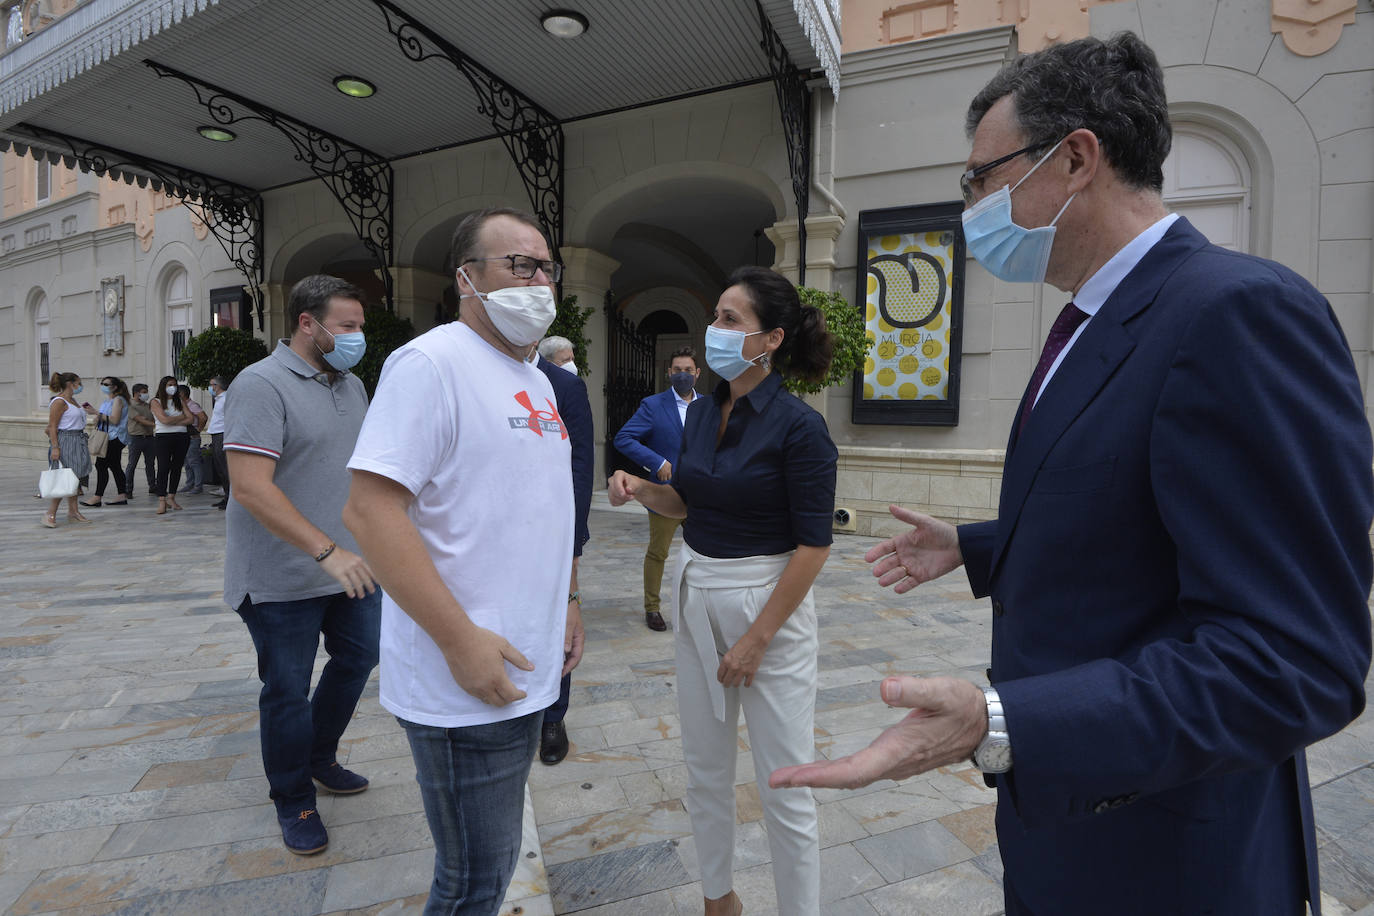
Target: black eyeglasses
[967, 177]
[525, 267]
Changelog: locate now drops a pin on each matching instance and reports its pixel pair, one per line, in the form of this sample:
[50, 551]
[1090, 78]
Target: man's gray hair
[550, 347]
[1114, 88]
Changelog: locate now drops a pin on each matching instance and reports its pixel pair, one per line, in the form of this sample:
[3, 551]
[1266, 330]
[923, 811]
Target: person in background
[755, 481]
[66, 432]
[114, 419]
[219, 387]
[195, 475]
[652, 439]
[291, 569]
[170, 418]
[141, 427]
[555, 360]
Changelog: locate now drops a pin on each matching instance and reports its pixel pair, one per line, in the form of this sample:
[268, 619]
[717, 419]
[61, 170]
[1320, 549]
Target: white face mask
[520, 313]
[171, 390]
[571, 367]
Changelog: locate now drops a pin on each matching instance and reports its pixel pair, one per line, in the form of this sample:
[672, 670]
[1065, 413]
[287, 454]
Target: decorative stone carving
[37, 235]
[110, 301]
[68, 226]
[199, 225]
[1311, 27]
[143, 227]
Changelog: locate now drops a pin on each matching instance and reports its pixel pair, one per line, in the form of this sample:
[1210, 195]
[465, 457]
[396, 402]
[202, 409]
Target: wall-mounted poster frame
[911, 283]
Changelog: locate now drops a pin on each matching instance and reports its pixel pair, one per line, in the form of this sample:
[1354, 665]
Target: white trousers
[714, 602]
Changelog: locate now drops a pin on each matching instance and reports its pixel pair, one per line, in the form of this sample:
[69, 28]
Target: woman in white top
[66, 432]
[170, 440]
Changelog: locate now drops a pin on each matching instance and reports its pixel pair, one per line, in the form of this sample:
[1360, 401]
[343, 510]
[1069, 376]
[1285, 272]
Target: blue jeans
[472, 781]
[300, 733]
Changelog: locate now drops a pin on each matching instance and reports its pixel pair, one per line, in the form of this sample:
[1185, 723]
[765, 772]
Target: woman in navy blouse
[755, 482]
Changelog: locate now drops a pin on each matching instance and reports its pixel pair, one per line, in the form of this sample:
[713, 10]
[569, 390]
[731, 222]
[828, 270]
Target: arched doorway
[677, 240]
[341, 256]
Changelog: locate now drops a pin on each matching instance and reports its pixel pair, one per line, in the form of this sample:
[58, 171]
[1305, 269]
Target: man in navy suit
[555, 360]
[1180, 565]
[652, 439]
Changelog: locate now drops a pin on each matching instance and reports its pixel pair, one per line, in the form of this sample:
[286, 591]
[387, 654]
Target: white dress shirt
[1102, 284]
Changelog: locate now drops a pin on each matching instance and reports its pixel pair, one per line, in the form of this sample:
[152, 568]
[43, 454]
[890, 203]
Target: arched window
[43, 355]
[1207, 179]
[176, 297]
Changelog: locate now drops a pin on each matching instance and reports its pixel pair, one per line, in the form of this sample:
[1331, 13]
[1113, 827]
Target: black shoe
[654, 621]
[553, 743]
[222, 503]
[303, 833]
[339, 781]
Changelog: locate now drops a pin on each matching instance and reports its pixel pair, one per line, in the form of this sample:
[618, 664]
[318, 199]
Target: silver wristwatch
[994, 751]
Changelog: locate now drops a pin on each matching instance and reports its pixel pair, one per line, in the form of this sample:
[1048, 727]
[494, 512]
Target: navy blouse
[768, 487]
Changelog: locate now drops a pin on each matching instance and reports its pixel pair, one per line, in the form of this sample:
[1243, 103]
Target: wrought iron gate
[629, 379]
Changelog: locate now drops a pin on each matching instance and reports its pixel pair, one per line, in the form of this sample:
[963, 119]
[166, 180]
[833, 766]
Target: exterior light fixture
[218, 134]
[355, 87]
[563, 23]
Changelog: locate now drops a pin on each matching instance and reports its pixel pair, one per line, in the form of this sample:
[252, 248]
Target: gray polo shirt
[286, 410]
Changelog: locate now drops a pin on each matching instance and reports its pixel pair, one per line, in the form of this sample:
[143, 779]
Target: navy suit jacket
[576, 410]
[654, 434]
[1179, 574]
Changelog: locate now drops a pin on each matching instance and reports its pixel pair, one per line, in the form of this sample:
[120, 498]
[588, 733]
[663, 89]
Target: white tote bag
[58, 483]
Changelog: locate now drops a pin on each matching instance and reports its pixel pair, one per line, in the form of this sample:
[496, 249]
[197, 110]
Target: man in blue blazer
[652, 439]
[555, 360]
[1180, 565]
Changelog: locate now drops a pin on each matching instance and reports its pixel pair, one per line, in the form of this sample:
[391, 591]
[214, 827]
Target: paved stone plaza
[130, 780]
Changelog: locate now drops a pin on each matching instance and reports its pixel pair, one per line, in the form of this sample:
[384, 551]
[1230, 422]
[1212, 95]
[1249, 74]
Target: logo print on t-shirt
[538, 421]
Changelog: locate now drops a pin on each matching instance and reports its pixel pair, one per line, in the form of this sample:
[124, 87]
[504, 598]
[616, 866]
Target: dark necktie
[1060, 332]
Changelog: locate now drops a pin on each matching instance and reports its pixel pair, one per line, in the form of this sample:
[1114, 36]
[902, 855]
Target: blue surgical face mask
[725, 352]
[348, 349]
[78, 389]
[106, 388]
[1006, 250]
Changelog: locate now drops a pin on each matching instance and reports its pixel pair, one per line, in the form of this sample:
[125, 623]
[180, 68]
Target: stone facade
[1297, 128]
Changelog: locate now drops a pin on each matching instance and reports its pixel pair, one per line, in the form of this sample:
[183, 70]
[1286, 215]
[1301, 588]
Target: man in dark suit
[555, 360]
[652, 439]
[1180, 565]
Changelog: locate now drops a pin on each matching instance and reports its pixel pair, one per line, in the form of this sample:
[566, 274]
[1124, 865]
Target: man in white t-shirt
[462, 504]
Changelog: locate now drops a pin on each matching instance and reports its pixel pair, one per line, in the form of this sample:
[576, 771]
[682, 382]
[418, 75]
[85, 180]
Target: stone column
[416, 291]
[587, 275]
[822, 232]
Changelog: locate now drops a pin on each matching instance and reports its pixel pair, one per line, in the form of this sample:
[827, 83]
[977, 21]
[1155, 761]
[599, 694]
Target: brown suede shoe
[654, 621]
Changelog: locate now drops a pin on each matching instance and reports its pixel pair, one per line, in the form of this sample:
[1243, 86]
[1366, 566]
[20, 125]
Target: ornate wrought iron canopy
[230, 211]
[360, 180]
[532, 136]
[794, 102]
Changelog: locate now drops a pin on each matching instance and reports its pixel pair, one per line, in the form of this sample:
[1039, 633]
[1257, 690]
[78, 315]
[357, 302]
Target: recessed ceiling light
[355, 86]
[218, 134]
[563, 23]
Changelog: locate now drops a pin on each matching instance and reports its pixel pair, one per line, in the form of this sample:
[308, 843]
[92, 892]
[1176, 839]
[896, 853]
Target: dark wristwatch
[994, 751]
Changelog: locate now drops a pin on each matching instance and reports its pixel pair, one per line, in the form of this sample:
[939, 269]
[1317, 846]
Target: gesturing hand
[350, 571]
[928, 551]
[478, 663]
[621, 488]
[948, 719]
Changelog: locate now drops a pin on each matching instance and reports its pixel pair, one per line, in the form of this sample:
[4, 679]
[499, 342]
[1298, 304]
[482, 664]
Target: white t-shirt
[476, 436]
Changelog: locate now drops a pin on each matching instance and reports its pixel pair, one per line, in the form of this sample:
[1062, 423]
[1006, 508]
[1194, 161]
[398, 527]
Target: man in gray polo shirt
[291, 569]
